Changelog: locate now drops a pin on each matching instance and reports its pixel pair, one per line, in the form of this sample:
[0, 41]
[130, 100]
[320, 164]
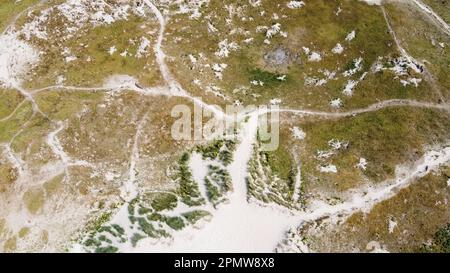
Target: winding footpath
[440, 22]
[236, 226]
[419, 67]
[129, 189]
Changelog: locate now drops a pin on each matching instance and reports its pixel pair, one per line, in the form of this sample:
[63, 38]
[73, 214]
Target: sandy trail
[240, 226]
[129, 189]
[428, 76]
[436, 18]
[13, 112]
[11, 24]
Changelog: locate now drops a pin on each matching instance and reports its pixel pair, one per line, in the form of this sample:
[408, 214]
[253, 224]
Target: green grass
[219, 149]
[441, 7]
[10, 127]
[34, 199]
[272, 176]
[175, 223]
[91, 50]
[416, 32]
[108, 249]
[188, 188]
[10, 8]
[280, 161]
[269, 79]
[419, 211]
[193, 216]
[8, 176]
[149, 229]
[441, 241]
[385, 138]
[156, 217]
[315, 26]
[62, 105]
[99, 128]
[382, 87]
[10, 100]
[212, 191]
[163, 201]
[221, 177]
[34, 135]
[136, 238]
[99, 222]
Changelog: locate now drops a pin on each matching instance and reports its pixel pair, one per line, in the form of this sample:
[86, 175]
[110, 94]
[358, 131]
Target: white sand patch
[372, 2]
[70, 58]
[129, 189]
[112, 50]
[255, 3]
[362, 164]
[307, 50]
[391, 225]
[324, 154]
[218, 69]
[109, 176]
[401, 65]
[120, 82]
[365, 200]
[357, 66]
[375, 247]
[36, 27]
[338, 49]
[350, 36]
[55, 145]
[298, 133]
[348, 89]
[330, 168]
[225, 48]
[275, 101]
[257, 83]
[336, 144]
[124, 54]
[273, 30]
[351, 84]
[295, 4]
[249, 40]
[78, 13]
[192, 7]
[282, 78]
[60, 80]
[143, 48]
[411, 81]
[211, 28]
[16, 60]
[316, 81]
[294, 243]
[336, 103]
[192, 59]
[298, 183]
[314, 57]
